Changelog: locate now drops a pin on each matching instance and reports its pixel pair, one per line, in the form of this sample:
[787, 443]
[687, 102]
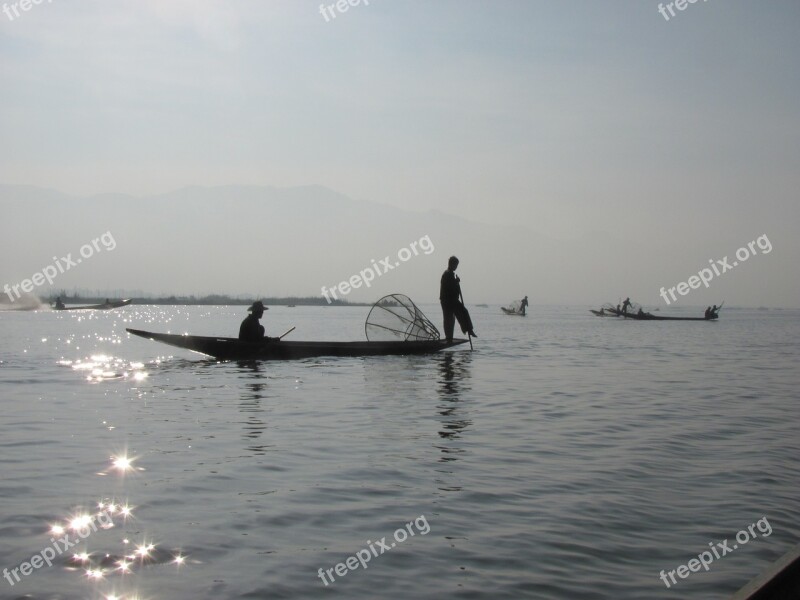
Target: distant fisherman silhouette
[524, 303]
[251, 330]
[450, 298]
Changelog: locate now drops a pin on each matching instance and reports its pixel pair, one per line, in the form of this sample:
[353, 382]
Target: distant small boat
[649, 317]
[482, 305]
[104, 306]
[516, 308]
[290, 306]
[606, 310]
[640, 315]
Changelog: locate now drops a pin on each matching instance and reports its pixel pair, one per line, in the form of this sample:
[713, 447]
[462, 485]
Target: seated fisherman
[251, 330]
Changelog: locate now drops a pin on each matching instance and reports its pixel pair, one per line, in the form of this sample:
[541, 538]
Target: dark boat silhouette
[104, 306]
[233, 349]
[609, 310]
[395, 325]
[649, 317]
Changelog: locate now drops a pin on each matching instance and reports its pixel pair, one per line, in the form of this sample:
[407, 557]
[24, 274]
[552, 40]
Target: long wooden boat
[649, 317]
[233, 349]
[104, 306]
[780, 581]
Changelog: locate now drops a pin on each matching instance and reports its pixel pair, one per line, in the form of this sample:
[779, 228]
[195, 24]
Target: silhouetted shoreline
[213, 299]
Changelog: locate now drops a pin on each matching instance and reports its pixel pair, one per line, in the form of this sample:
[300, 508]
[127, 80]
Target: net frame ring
[415, 325]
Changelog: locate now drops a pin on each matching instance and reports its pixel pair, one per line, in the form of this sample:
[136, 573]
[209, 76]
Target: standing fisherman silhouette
[452, 307]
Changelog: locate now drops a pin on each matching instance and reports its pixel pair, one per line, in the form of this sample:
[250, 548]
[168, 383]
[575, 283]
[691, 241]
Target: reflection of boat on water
[393, 327]
[104, 306]
[454, 419]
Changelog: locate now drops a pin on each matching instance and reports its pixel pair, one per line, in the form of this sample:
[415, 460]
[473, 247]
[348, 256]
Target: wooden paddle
[287, 333]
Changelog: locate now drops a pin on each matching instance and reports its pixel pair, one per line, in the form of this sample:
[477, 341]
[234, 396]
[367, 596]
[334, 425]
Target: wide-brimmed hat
[258, 306]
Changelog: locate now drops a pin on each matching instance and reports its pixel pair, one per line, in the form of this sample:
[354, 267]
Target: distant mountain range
[270, 242]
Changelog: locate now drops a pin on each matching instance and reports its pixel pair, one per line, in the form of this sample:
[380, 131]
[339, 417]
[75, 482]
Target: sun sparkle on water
[122, 463]
[80, 522]
[124, 566]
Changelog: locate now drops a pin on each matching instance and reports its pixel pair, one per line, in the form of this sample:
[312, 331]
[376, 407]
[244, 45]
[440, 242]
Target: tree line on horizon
[210, 299]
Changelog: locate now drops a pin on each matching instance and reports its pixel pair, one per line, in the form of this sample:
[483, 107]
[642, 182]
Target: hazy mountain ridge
[292, 241]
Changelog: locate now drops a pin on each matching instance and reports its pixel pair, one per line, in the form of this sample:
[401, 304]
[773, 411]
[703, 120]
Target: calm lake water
[567, 457]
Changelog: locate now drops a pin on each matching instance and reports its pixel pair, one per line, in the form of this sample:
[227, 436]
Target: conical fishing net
[396, 318]
[515, 306]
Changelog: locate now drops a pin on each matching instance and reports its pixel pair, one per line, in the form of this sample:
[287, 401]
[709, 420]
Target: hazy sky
[569, 117]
